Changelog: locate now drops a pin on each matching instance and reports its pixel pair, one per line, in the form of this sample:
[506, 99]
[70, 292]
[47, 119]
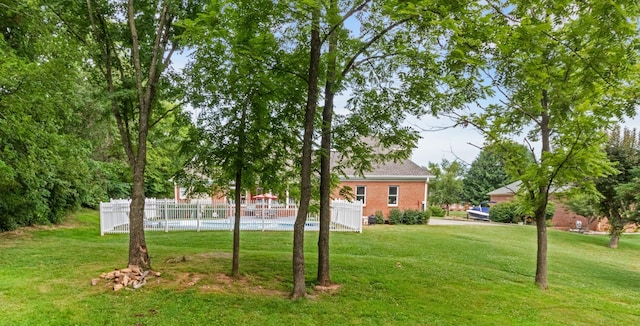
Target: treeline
[59, 146]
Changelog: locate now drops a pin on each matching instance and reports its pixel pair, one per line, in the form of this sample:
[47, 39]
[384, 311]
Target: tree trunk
[541, 258]
[614, 240]
[299, 286]
[543, 192]
[235, 264]
[136, 156]
[617, 227]
[240, 161]
[324, 275]
[138, 253]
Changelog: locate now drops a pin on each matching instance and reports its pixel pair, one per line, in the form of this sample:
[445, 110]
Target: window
[361, 194]
[393, 196]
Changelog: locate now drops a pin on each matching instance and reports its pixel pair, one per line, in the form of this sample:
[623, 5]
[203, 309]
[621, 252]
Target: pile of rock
[132, 276]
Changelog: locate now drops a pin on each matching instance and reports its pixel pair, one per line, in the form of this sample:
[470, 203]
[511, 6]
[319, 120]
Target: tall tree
[562, 74]
[135, 44]
[245, 136]
[299, 286]
[324, 275]
[384, 67]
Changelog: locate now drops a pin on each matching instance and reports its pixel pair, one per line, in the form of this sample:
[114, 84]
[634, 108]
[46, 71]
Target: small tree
[245, 133]
[618, 202]
[446, 187]
[584, 205]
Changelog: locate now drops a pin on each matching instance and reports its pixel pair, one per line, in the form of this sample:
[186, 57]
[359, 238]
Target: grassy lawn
[458, 214]
[427, 275]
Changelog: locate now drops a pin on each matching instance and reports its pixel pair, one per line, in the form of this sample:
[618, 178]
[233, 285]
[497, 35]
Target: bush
[511, 212]
[395, 216]
[411, 217]
[379, 217]
[408, 217]
[506, 212]
[426, 215]
[437, 211]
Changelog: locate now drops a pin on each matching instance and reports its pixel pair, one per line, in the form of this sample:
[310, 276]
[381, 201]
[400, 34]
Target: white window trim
[397, 195]
[364, 196]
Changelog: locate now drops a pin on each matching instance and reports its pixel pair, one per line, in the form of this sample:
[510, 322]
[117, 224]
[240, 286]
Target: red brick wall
[410, 195]
[563, 218]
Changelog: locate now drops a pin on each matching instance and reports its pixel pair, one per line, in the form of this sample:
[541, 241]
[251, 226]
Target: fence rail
[167, 215]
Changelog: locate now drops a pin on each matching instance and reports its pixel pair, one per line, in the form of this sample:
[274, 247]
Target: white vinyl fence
[204, 215]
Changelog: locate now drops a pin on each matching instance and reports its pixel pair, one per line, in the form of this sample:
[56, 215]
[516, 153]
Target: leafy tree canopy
[485, 174]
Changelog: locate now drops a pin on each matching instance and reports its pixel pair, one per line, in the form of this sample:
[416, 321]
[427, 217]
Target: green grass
[410, 275]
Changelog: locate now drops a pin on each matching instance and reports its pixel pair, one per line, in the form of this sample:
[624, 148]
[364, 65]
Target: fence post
[198, 217]
[166, 217]
[101, 220]
[359, 217]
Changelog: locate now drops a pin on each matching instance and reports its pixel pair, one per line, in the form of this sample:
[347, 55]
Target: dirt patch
[187, 280]
[215, 255]
[330, 289]
[222, 283]
[19, 234]
[197, 257]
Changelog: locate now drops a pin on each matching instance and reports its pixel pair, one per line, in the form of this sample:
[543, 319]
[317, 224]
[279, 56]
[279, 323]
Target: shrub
[379, 217]
[408, 217]
[395, 216]
[504, 212]
[411, 217]
[437, 211]
[512, 212]
[426, 215]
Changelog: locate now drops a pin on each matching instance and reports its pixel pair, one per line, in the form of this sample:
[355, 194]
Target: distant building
[402, 185]
[563, 218]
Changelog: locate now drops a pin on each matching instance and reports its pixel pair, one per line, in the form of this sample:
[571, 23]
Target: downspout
[426, 191]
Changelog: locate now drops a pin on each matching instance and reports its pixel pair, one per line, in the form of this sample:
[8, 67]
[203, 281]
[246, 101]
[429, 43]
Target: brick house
[402, 185]
[563, 218]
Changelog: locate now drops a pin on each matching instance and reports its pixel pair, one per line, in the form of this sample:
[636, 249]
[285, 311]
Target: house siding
[410, 195]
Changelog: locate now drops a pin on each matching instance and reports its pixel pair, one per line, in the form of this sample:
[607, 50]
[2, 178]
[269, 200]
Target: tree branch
[161, 39]
[135, 48]
[102, 38]
[519, 108]
[351, 62]
[577, 54]
[369, 59]
[346, 16]
[164, 114]
[552, 37]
